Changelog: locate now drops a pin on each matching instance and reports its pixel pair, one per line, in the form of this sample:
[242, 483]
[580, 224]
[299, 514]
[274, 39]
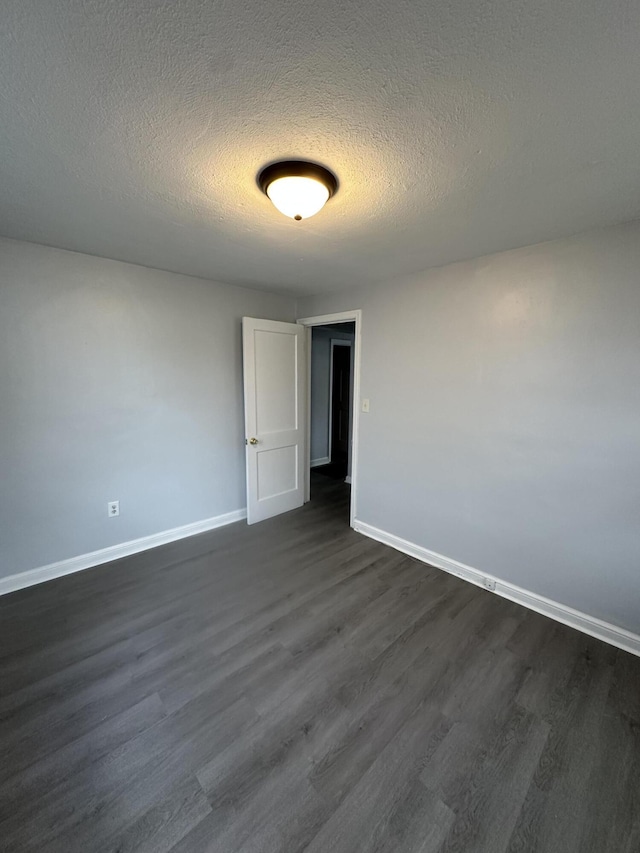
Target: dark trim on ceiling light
[297, 169]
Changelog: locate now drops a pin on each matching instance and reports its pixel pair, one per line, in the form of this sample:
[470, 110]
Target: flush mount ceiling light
[297, 188]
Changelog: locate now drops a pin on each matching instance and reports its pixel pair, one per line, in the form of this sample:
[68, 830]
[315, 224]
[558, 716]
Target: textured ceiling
[134, 129]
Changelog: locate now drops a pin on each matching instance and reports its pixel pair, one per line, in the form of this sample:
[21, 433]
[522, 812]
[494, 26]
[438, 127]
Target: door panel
[277, 471]
[275, 359]
[274, 377]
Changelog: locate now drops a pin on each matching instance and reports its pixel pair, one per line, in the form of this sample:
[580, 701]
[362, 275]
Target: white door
[274, 410]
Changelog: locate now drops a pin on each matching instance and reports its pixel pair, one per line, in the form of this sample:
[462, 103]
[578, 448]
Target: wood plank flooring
[293, 686]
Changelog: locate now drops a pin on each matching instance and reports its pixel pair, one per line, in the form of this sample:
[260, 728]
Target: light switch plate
[365, 404]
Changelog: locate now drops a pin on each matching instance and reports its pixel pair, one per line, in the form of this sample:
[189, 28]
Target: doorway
[331, 399]
[341, 382]
[333, 374]
[277, 402]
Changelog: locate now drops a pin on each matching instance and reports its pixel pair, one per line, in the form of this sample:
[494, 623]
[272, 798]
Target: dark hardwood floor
[293, 686]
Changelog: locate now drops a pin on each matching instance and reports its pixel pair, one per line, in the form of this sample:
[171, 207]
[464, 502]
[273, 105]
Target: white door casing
[274, 357]
[324, 320]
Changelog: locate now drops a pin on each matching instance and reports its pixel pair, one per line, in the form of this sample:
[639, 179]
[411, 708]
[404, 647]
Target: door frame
[354, 316]
[338, 342]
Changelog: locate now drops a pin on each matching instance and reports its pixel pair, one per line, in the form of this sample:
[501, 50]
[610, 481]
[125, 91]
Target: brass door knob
[253, 441]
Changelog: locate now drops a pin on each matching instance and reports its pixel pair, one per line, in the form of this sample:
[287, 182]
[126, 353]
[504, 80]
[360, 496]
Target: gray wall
[504, 429]
[117, 382]
[321, 384]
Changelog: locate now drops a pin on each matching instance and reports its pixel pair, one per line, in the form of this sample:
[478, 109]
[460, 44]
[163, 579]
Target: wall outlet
[113, 509]
[489, 584]
[365, 405]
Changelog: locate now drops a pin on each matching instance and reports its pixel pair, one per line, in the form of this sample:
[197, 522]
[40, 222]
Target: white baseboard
[619, 637]
[115, 552]
[322, 461]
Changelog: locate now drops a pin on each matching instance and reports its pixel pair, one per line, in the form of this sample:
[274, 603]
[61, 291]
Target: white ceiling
[134, 129]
